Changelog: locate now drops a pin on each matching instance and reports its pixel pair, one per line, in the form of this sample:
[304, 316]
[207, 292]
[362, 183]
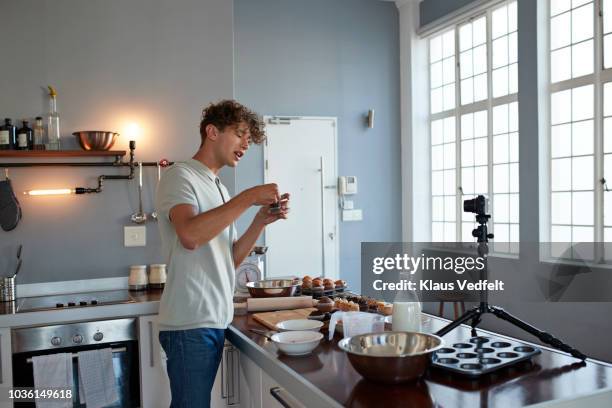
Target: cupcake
[328, 284]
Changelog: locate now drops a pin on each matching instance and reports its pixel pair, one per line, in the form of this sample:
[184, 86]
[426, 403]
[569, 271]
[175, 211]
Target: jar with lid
[157, 276]
[138, 277]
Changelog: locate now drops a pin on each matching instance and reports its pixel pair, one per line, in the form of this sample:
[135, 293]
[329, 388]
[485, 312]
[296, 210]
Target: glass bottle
[7, 135]
[53, 129]
[5, 140]
[39, 134]
[25, 137]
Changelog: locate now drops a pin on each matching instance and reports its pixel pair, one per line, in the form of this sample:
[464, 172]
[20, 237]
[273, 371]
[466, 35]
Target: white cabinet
[6, 363]
[154, 384]
[229, 386]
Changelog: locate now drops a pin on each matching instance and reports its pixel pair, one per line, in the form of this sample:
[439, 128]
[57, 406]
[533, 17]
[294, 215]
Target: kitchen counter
[327, 379]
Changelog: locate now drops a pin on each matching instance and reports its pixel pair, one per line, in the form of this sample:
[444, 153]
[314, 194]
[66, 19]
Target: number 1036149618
[29, 394]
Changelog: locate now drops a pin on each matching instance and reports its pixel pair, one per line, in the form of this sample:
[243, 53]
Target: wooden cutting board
[270, 319]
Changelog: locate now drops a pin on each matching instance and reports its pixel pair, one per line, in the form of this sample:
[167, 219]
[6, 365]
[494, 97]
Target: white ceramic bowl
[299, 324]
[297, 343]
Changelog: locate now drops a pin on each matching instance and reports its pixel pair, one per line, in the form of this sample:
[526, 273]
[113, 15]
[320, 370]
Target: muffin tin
[481, 355]
[320, 293]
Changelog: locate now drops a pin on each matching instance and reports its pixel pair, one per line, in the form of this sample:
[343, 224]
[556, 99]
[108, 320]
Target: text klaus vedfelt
[409, 264]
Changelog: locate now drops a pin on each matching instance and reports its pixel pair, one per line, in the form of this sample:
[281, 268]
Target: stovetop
[73, 300]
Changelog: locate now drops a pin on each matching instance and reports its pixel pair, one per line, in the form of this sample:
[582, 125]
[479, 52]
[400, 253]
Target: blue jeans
[193, 359]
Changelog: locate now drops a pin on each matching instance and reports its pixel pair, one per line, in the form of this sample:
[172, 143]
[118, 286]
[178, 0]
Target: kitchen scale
[251, 270]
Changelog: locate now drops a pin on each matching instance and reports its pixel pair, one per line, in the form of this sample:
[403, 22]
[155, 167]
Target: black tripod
[476, 313]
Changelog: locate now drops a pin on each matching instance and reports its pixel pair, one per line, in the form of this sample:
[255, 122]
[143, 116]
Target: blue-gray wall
[329, 58]
[154, 62]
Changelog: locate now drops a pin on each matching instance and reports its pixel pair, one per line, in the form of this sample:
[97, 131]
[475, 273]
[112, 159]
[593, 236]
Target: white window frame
[598, 78]
[488, 104]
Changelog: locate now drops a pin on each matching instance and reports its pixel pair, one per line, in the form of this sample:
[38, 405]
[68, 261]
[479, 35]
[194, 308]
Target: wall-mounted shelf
[61, 153]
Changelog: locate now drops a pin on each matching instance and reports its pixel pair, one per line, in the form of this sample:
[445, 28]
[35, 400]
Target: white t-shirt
[200, 284]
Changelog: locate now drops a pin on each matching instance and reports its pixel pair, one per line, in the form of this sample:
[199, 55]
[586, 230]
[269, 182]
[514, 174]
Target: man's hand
[265, 194]
[268, 214]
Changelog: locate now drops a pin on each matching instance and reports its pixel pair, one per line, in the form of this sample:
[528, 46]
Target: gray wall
[431, 10]
[329, 58]
[156, 62]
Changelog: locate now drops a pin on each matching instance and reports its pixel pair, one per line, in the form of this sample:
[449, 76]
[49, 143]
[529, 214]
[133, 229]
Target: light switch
[135, 236]
[349, 204]
[352, 215]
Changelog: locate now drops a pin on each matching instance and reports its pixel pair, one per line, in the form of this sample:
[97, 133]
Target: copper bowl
[391, 357]
[272, 288]
[96, 139]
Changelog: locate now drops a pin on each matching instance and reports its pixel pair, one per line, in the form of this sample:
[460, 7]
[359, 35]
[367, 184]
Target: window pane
[514, 208]
[608, 99]
[512, 17]
[501, 210]
[467, 153]
[560, 31]
[480, 87]
[465, 37]
[607, 16]
[449, 97]
[480, 151]
[561, 175]
[467, 126]
[448, 70]
[435, 74]
[448, 44]
[561, 107]
[607, 135]
[559, 6]
[467, 91]
[480, 124]
[514, 147]
[560, 64]
[512, 48]
[500, 149]
[437, 183]
[501, 178]
[436, 100]
[582, 138]
[437, 208]
[449, 156]
[481, 180]
[479, 33]
[514, 178]
[466, 64]
[480, 59]
[582, 208]
[582, 173]
[449, 129]
[467, 180]
[437, 157]
[582, 103]
[449, 208]
[449, 182]
[500, 119]
[435, 49]
[499, 25]
[436, 132]
[561, 141]
[582, 59]
[500, 52]
[437, 232]
[561, 208]
[582, 23]
[608, 51]
[500, 82]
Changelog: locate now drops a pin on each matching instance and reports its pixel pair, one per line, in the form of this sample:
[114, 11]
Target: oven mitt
[10, 211]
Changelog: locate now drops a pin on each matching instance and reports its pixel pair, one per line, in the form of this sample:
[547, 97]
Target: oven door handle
[76, 355]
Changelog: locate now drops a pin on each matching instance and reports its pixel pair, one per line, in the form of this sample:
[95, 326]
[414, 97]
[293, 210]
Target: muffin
[325, 305]
[340, 284]
[328, 284]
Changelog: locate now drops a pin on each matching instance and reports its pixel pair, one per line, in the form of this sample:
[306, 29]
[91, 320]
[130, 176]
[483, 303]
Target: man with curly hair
[200, 244]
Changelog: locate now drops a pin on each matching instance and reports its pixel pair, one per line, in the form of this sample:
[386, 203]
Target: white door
[300, 155]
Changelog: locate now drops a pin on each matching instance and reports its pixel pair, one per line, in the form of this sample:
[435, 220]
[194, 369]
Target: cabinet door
[250, 383]
[226, 390]
[154, 383]
[6, 363]
[272, 394]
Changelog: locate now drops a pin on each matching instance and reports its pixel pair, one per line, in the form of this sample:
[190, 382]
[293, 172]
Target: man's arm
[195, 229]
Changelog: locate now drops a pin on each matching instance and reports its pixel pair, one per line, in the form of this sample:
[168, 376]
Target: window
[580, 124]
[474, 126]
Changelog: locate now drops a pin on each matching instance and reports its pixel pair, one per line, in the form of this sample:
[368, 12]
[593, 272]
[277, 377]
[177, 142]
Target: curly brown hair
[228, 112]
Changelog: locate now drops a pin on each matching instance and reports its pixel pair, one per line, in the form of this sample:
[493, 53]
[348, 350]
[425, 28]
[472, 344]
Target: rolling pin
[278, 303]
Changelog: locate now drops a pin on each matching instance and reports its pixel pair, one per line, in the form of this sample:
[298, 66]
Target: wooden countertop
[549, 376]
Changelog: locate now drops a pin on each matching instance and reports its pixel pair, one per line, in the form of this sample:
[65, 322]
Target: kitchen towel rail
[76, 355]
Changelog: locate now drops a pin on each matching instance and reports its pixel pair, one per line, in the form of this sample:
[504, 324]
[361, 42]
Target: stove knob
[98, 336]
[77, 338]
[71, 304]
[82, 303]
[56, 341]
[94, 302]
[59, 305]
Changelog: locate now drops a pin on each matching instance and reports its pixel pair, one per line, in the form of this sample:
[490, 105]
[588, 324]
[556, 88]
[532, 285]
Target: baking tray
[316, 294]
[481, 355]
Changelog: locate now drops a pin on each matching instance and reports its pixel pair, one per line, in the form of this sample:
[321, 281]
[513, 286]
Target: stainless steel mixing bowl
[272, 288]
[391, 357]
[96, 139]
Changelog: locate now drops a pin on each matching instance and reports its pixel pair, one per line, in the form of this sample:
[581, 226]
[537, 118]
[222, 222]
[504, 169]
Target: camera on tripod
[478, 205]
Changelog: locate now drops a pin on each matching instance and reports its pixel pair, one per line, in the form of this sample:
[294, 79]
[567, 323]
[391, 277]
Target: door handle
[284, 398]
[151, 345]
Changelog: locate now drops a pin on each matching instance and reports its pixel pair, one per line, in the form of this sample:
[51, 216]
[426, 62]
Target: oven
[120, 335]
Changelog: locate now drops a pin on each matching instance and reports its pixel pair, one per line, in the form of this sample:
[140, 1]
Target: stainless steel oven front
[120, 335]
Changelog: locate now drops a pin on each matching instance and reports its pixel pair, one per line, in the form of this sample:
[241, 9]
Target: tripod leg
[470, 314]
[475, 321]
[545, 337]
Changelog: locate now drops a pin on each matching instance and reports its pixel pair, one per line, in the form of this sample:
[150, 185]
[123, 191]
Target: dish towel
[53, 371]
[97, 383]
